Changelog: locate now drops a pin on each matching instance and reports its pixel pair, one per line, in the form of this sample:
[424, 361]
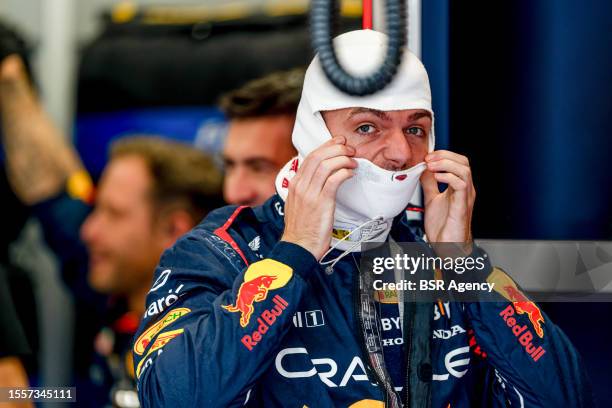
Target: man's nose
[238, 188]
[397, 150]
[89, 228]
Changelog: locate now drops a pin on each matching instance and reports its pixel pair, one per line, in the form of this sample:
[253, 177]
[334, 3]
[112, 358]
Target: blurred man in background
[261, 114]
[108, 241]
[151, 192]
[17, 345]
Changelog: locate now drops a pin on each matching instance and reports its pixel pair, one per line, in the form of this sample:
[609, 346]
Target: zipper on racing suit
[385, 386]
[372, 374]
[408, 327]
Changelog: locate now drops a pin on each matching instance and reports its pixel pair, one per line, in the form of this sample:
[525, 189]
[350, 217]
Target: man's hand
[38, 158]
[448, 215]
[310, 205]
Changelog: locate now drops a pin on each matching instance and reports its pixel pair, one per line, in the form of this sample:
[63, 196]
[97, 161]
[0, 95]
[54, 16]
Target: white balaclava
[373, 196]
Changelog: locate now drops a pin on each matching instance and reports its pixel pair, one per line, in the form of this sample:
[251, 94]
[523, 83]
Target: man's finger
[327, 168]
[334, 181]
[331, 148]
[446, 154]
[13, 79]
[12, 68]
[454, 182]
[450, 166]
[430, 186]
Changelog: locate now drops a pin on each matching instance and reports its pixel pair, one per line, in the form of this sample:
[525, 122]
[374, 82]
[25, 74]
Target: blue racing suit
[236, 317]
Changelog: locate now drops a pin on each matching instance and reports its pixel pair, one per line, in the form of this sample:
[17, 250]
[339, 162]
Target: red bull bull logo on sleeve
[266, 319]
[260, 278]
[520, 305]
[525, 306]
[522, 333]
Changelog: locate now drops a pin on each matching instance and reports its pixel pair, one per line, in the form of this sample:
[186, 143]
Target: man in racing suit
[253, 307]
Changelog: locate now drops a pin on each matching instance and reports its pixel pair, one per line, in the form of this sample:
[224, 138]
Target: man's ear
[176, 224]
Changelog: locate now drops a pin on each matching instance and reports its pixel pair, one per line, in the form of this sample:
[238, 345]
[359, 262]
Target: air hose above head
[323, 14]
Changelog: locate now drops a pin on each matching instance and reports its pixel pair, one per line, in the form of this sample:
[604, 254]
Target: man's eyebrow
[418, 115]
[252, 161]
[382, 115]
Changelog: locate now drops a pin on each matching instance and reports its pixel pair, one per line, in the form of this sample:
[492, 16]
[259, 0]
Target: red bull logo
[266, 319]
[522, 333]
[250, 292]
[520, 306]
[259, 279]
[525, 306]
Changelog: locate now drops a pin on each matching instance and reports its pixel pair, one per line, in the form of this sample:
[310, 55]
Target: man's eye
[258, 168]
[262, 167]
[416, 131]
[366, 129]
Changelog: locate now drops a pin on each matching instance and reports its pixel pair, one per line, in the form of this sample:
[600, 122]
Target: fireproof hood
[359, 52]
[373, 192]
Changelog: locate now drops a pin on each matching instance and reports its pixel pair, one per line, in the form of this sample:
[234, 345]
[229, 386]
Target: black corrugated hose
[322, 18]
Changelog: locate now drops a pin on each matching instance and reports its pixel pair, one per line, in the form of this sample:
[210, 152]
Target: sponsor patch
[259, 278]
[309, 318]
[266, 319]
[160, 304]
[161, 341]
[340, 233]
[522, 333]
[145, 338]
[368, 403]
[508, 289]
[386, 296]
